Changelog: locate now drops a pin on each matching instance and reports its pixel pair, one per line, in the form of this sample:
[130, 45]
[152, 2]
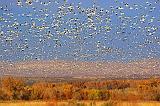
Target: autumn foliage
[126, 90]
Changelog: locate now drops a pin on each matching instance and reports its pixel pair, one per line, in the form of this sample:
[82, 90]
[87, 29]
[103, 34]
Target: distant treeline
[12, 88]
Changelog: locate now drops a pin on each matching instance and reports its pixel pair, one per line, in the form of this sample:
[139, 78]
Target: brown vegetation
[123, 90]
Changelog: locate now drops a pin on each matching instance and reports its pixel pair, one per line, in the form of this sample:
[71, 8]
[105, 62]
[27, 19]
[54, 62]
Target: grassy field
[84, 103]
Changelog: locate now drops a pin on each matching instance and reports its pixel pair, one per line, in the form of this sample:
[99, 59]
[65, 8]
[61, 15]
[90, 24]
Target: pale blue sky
[132, 33]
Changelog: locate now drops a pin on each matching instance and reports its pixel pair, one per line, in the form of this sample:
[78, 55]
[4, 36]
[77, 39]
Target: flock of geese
[68, 29]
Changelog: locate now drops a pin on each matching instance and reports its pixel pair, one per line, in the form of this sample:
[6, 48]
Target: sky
[81, 30]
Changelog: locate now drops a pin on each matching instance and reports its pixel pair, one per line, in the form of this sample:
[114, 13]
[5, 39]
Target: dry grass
[84, 103]
[138, 104]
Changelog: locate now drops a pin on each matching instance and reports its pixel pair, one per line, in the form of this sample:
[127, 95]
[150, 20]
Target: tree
[95, 94]
[49, 93]
[12, 87]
